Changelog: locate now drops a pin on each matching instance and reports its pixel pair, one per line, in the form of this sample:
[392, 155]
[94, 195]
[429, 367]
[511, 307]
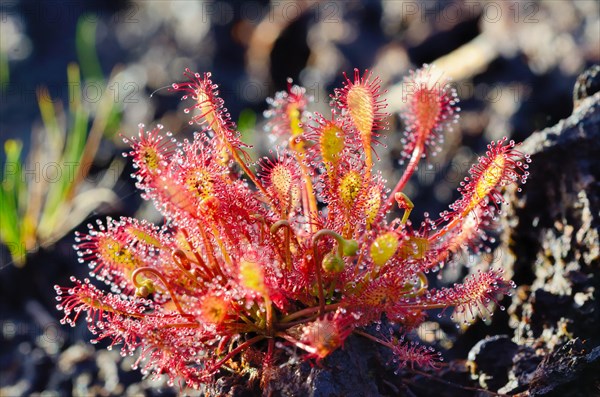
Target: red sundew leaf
[113, 251]
[211, 112]
[281, 178]
[469, 236]
[474, 296]
[411, 354]
[431, 105]
[322, 336]
[287, 111]
[361, 99]
[329, 141]
[502, 165]
[151, 153]
[99, 307]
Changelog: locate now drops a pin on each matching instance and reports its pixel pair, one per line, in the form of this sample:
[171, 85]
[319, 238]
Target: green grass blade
[85, 42]
[12, 184]
[246, 126]
[4, 71]
[75, 141]
[56, 139]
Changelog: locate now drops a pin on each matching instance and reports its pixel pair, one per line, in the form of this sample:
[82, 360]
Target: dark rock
[587, 84]
[525, 363]
[490, 360]
[358, 369]
[552, 245]
[570, 371]
[546, 308]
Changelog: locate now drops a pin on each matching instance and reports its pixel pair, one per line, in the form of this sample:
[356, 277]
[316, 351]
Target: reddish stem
[297, 343]
[200, 261]
[455, 221]
[235, 351]
[408, 172]
[158, 275]
[309, 311]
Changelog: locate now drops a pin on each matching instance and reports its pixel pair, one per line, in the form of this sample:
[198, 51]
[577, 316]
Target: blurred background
[76, 74]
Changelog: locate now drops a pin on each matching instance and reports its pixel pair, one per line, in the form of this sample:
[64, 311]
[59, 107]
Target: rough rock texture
[568, 371]
[360, 369]
[552, 245]
[490, 359]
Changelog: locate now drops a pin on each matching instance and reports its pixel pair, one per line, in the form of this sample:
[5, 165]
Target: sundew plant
[295, 257]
